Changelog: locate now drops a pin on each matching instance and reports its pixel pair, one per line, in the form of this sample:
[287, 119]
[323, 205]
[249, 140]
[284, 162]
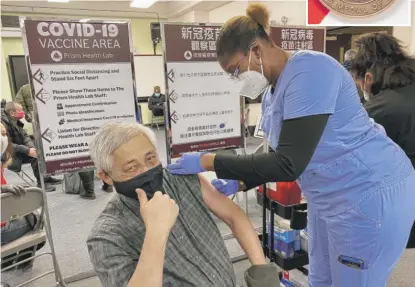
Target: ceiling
[114, 8]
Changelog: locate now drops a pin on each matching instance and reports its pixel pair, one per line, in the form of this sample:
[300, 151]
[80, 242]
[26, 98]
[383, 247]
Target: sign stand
[79, 72]
[58, 275]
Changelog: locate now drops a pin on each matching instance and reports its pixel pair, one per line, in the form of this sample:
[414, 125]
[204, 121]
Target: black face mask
[149, 181]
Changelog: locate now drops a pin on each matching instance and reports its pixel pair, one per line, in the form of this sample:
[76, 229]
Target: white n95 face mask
[367, 96]
[254, 83]
[4, 143]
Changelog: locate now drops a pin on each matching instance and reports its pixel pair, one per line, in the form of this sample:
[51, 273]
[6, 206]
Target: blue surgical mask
[157, 94]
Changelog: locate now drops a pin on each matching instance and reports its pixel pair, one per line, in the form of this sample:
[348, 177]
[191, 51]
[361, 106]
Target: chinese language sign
[203, 102]
[81, 79]
[195, 43]
[299, 38]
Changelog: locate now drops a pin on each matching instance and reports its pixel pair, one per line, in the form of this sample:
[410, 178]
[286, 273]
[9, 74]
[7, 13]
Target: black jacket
[395, 111]
[155, 104]
[20, 139]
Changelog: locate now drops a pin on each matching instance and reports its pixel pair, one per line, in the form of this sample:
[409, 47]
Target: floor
[72, 218]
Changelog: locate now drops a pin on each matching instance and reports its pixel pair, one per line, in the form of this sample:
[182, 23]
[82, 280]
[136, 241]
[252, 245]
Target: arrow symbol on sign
[174, 118]
[171, 76]
[173, 97]
[43, 96]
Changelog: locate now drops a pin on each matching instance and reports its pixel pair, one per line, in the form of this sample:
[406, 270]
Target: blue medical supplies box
[286, 242]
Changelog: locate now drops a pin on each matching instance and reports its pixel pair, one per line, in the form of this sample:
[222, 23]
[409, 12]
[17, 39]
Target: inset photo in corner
[359, 12]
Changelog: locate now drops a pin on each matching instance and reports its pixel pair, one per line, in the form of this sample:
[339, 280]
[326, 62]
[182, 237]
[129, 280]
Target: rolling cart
[296, 214]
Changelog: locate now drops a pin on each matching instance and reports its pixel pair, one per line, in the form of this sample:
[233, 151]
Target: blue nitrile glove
[227, 187]
[189, 163]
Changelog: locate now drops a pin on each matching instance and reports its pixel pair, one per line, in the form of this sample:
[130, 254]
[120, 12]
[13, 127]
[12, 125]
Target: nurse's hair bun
[260, 14]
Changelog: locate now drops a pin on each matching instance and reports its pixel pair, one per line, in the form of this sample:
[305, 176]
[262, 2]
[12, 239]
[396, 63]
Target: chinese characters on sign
[295, 39]
[208, 94]
[202, 74]
[207, 114]
[202, 41]
[199, 131]
[299, 38]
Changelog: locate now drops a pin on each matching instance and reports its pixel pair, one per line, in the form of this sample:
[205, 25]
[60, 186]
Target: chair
[25, 177]
[13, 207]
[156, 120]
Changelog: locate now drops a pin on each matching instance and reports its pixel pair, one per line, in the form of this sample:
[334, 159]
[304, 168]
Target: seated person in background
[3, 104]
[24, 98]
[156, 102]
[14, 229]
[130, 245]
[24, 150]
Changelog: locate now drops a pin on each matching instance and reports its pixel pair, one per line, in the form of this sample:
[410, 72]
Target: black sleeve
[298, 140]
[150, 103]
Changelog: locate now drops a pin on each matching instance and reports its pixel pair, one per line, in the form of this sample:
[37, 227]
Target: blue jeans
[375, 231]
[17, 228]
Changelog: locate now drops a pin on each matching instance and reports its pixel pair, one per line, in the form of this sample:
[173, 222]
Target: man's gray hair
[350, 54]
[110, 137]
[10, 107]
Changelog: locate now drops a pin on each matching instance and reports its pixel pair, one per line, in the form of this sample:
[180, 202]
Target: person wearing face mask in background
[386, 74]
[137, 241]
[24, 98]
[358, 183]
[24, 150]
[156, 102]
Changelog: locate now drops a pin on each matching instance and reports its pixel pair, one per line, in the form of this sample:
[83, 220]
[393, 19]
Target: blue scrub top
[354, 156]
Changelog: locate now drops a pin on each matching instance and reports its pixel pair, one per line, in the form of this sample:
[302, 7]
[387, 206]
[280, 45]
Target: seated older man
[157, 229]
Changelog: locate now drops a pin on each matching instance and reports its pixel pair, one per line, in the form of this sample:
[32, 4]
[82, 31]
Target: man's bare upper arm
[220, 205]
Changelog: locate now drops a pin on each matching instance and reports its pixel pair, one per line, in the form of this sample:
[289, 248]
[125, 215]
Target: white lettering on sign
[200, 33]
[310, 35]
[78, 43]
[297, 39]
[57, 29]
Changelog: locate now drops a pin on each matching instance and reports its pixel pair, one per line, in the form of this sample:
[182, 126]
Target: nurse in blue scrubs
[359, 184]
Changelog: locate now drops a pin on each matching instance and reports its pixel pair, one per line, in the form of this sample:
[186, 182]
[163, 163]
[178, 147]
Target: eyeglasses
[235, 75]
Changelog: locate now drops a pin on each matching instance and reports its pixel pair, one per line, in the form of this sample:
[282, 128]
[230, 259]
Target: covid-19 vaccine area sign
[81, 77]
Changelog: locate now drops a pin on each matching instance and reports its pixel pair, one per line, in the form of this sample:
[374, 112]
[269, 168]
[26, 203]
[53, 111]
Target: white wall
[294, 10]
[407, 34]
[222, 14]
